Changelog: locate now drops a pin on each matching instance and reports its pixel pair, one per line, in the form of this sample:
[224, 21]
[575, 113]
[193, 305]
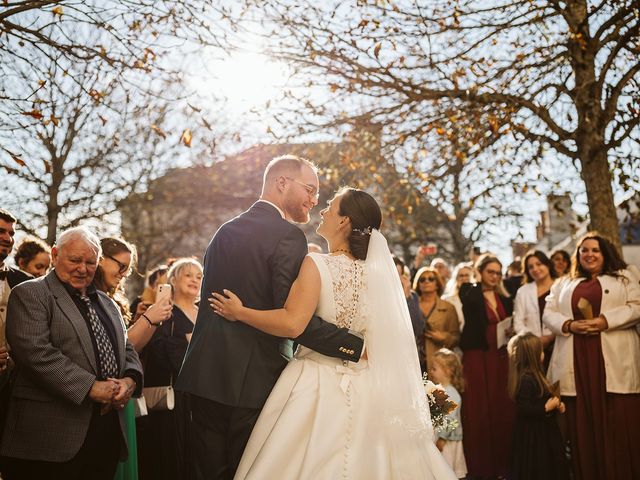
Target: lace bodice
[347, 283]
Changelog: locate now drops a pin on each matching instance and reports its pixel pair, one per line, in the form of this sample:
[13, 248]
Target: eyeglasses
[122, 267]
[426, 279]
[494, 272]
[311, 190]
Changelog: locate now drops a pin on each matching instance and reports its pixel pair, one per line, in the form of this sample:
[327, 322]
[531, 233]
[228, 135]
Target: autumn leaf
[57, 11]
[149, 53]
[159, 131]
[96, 95]
[376, 49]
[18, 160]
[206, 124]
[186, 137]
[55, 120]
[37, 114]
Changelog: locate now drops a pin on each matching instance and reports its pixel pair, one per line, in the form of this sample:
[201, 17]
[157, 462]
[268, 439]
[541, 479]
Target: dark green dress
[128, 470]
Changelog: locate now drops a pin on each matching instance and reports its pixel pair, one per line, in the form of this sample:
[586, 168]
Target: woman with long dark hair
[118, 260]
[594, 313]
[531, 299]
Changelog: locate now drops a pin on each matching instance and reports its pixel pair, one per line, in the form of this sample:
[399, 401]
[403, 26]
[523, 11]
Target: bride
[327, 418]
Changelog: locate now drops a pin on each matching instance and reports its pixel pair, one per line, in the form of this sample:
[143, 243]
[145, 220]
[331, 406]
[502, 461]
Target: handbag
[160, 398]
[140, 407]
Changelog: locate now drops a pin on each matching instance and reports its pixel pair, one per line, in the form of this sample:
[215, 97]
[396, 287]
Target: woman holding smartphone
[162, 358]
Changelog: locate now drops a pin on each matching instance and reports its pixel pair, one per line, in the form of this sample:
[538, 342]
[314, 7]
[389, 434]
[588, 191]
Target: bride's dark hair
[364, 213]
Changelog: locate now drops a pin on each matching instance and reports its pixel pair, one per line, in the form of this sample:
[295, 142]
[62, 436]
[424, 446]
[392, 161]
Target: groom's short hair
[285, 165]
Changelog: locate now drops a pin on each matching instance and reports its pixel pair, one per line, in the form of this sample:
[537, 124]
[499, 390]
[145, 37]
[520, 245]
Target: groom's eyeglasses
[311, 190]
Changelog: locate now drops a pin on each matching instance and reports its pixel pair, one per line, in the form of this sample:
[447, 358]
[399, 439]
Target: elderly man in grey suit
[75, 370]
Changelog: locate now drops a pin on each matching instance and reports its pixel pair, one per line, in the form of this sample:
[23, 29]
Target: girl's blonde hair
[451, 363]
[525, 358]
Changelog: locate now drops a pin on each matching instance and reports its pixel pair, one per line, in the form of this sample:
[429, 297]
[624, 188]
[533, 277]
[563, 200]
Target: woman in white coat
[531, 299]
[593, 312]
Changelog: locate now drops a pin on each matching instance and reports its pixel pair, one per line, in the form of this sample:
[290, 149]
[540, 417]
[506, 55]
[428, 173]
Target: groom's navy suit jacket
[257, 255]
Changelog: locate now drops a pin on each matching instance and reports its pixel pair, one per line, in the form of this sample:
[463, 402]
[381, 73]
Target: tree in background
[512, 84]
[93, 102]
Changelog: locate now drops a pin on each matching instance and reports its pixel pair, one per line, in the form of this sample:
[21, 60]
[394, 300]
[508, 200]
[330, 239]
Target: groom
[230, 368]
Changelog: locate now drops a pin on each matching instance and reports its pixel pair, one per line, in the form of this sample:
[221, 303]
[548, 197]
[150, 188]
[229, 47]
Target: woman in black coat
[487, 411]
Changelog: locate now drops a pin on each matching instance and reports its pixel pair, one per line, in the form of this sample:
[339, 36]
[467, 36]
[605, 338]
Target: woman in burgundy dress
[487, 411]
[593, 313]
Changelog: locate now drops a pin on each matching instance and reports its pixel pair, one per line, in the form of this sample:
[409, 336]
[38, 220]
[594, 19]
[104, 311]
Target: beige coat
[443, 319]
[620, 342]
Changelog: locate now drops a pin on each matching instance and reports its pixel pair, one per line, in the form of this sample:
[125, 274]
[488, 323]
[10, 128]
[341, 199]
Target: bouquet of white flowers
[440, 406]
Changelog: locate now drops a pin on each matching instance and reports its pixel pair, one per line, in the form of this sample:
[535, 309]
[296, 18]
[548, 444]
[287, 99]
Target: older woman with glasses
[487, 412]
[594, 312]
[441, 326]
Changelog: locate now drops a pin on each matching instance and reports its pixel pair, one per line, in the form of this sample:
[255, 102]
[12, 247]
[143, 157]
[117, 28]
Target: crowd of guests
[543, 361]
[97, 424]
[550, 355]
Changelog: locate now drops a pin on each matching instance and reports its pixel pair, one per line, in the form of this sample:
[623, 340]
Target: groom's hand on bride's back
[227, 305]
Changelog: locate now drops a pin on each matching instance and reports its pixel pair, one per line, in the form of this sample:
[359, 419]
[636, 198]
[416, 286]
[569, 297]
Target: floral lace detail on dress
[348, 283]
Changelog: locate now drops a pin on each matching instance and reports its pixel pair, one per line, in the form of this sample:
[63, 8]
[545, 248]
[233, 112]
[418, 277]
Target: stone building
[181, 210]
[560, 228]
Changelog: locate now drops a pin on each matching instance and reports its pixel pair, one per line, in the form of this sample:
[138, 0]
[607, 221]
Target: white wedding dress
[320, 420]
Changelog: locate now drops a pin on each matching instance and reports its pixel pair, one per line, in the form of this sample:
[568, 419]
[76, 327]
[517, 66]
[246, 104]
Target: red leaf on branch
[18, 160]
[376, 49]
[37, 114]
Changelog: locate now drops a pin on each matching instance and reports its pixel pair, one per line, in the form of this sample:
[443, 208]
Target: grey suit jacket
[49, 410]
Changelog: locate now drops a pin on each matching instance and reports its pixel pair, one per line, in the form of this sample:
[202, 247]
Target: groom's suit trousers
[219, 436]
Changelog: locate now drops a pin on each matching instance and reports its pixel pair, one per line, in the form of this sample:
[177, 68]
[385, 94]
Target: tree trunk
[597, 180]
[590, 134]
[52, 221]
[53, 207]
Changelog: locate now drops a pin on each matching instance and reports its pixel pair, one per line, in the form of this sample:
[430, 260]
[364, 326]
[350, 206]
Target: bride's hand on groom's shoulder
[227, 305]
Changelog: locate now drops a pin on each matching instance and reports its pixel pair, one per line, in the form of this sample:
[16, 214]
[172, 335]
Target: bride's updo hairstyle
[364, 213]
